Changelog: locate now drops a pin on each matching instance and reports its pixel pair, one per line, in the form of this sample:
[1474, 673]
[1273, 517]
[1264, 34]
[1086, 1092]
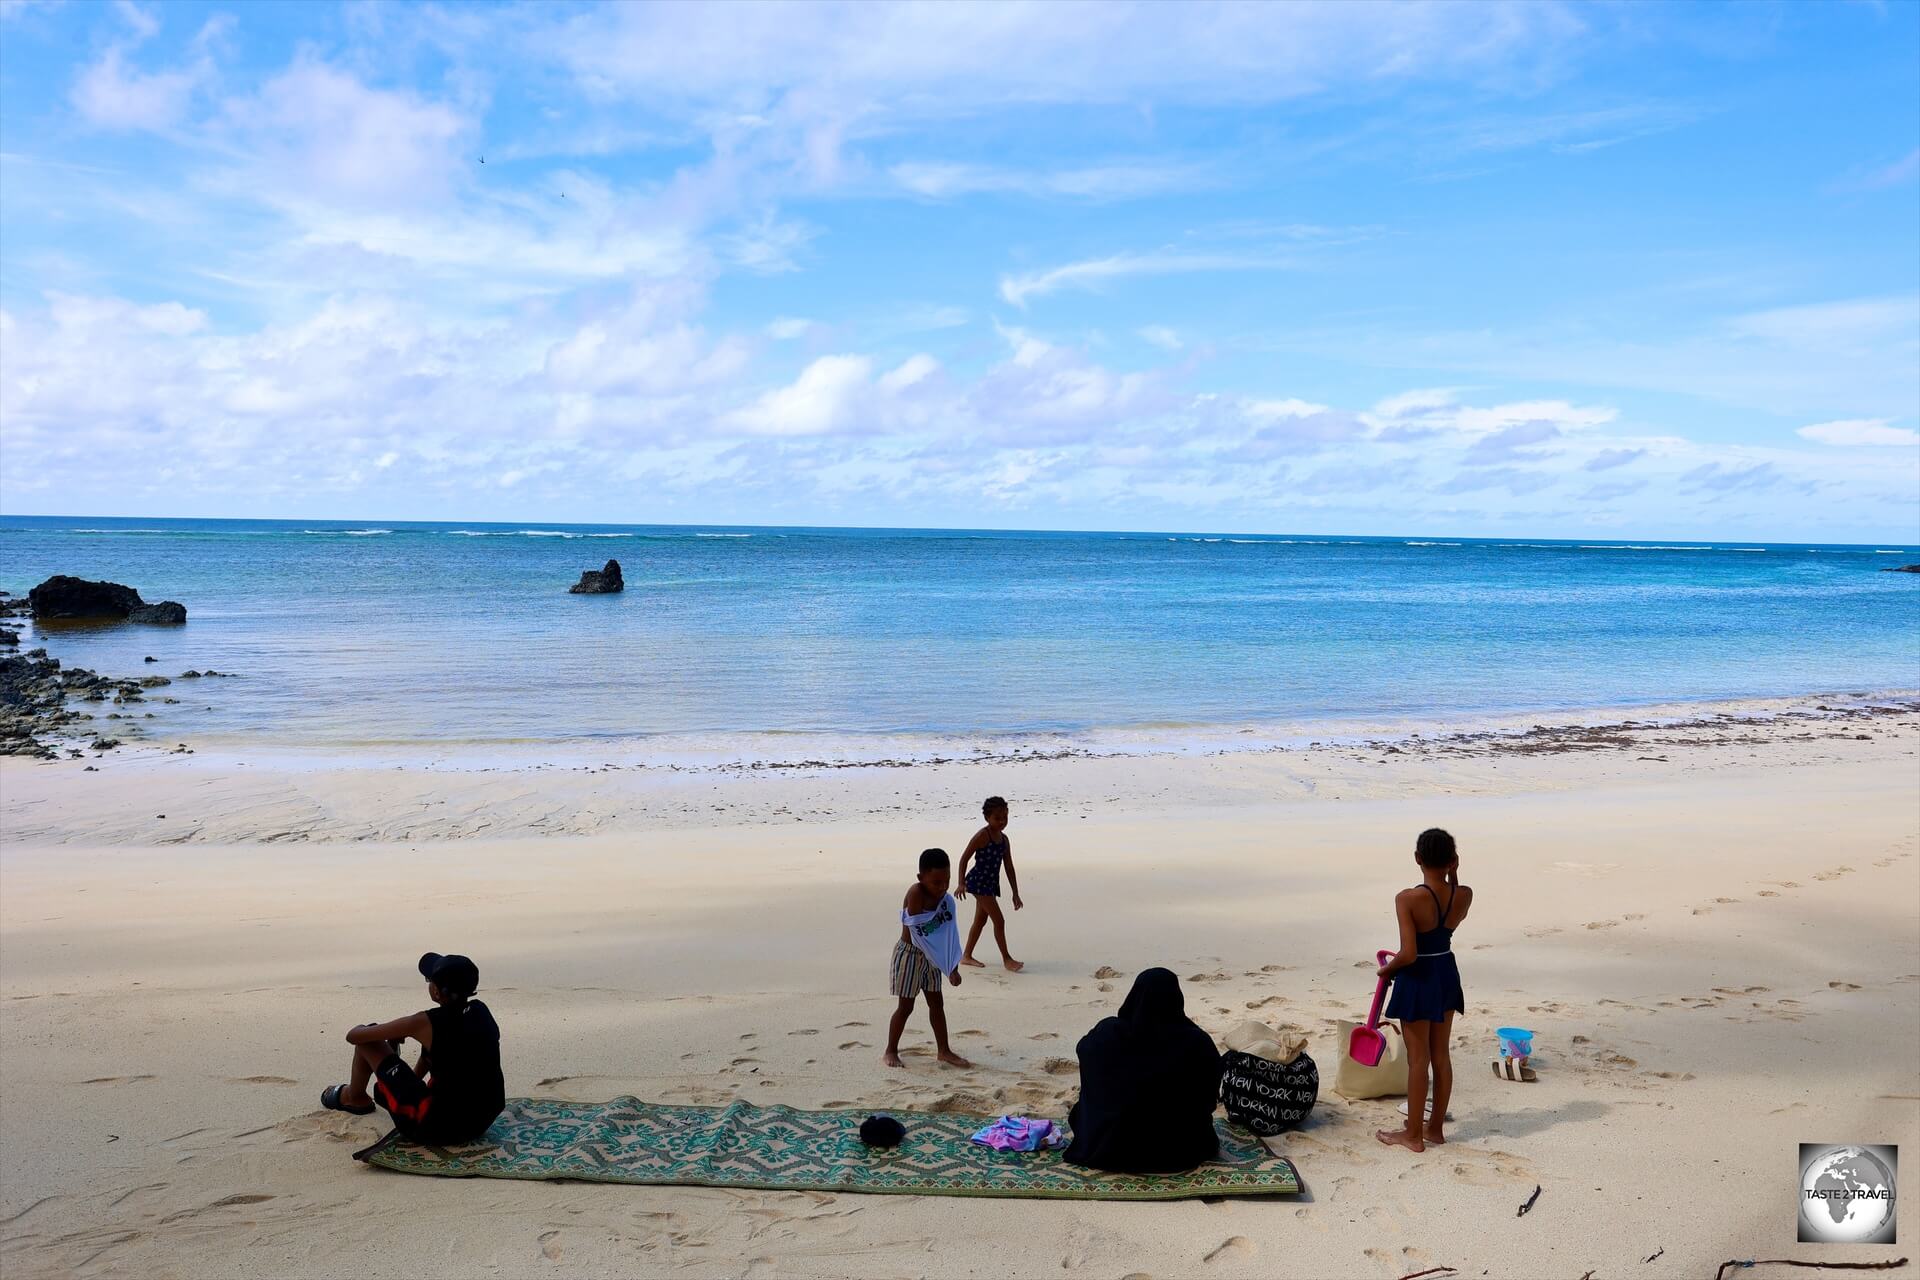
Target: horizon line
[967, 529]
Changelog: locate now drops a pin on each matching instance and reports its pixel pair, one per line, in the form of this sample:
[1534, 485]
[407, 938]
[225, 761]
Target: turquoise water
[355, 634]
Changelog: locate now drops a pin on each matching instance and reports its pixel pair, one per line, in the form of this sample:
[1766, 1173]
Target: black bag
[1268, 1097]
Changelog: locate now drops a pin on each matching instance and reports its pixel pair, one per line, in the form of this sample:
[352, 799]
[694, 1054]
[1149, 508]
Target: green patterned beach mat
[782, 1149]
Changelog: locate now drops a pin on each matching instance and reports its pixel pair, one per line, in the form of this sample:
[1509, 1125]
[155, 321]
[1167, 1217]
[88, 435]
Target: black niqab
[1149, 1081]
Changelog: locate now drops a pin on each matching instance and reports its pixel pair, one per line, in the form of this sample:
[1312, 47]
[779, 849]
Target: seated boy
[457, 1089]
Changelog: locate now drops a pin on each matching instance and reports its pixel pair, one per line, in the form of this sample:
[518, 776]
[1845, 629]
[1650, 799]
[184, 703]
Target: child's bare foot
[1434, 1137]
[971, 963]
[892, 1059]
[1400, 1138]
[953, 1059]
[1014, 966]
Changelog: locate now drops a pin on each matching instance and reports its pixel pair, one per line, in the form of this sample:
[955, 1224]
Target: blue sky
[1467, 269]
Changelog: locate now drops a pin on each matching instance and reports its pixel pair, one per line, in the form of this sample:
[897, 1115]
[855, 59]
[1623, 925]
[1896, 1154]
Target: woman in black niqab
[1149, 1081]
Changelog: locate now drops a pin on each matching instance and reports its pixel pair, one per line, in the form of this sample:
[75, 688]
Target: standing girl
[1426, 985]
[993, 850]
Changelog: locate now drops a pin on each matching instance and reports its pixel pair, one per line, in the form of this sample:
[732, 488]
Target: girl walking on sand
[989, 850]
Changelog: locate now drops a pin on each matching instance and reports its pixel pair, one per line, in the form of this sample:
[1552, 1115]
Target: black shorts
[407, 1098]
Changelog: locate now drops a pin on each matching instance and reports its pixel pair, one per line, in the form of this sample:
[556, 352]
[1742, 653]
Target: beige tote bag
[1388, 1079]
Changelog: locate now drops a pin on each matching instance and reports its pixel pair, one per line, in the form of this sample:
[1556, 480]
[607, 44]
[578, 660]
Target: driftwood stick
[1738, 1264]
[1529, 1204]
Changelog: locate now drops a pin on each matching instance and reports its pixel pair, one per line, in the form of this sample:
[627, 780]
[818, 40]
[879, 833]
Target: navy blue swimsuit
[983, 877]
[1429, 989]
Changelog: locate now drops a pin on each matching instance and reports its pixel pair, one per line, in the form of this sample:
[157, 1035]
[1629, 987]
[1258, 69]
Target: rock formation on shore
[599, 582]
[33, 700]
[1903, 568]
[64, 597]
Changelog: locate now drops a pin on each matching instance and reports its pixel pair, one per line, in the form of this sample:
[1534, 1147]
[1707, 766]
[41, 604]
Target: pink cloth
[1018, 1133]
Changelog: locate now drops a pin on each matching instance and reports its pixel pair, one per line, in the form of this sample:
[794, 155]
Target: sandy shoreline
[1720, 950]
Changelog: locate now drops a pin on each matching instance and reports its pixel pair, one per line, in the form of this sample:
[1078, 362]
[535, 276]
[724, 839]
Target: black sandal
[330, 1099]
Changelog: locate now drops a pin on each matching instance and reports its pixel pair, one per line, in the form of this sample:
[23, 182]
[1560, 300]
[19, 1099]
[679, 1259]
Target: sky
[1471, 269]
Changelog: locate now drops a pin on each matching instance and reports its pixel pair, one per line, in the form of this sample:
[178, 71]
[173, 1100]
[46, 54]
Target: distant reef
[599, 582]
[1903, 568]
[63, 598]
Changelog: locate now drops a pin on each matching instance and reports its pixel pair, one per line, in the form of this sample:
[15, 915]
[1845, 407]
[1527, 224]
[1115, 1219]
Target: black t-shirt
[468, 1089]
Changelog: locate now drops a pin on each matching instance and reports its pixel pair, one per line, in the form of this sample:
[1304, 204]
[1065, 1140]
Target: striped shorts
[910, 972]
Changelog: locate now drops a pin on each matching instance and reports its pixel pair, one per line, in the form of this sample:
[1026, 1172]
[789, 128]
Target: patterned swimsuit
[983, 877]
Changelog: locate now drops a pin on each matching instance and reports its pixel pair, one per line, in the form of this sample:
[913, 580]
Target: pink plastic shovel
[1366, 1045]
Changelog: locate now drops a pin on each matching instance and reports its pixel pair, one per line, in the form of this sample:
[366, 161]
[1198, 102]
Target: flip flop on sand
[1514, 1069]
[330, 1099]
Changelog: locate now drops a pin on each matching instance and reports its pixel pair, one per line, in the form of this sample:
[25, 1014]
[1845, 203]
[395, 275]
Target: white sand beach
[1715, 933]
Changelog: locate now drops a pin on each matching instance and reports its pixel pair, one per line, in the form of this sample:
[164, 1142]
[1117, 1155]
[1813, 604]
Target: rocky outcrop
[599, 582]
[66, 598]
[166, 613]
[1903, 568]
[34, 692]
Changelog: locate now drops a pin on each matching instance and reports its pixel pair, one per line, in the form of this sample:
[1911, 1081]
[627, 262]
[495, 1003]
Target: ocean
[737, 642]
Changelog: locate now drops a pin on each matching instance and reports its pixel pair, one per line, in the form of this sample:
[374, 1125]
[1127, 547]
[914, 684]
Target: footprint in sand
[1232, 1249]
[1601, 924]
[1216, 977]
[970, 1032]
[1766, 893]
[1832, 874]
[805, 1031]
[843, 1026]
[856, 1044]
[1266, 1000]
[1046, 1035]
[1060, 1066]
[262, 1080]
[115, 1079]
[1844, 986]
[1106, 971]
[550, 1246]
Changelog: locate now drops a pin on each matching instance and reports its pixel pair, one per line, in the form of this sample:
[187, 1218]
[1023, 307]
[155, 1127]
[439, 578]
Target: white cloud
[821, 400]
[319, 131]
[110, 94]
[952, 60]
[1115, 181]
[1094, 272]
[1859, 431]
[1161, 336]
[787, 328]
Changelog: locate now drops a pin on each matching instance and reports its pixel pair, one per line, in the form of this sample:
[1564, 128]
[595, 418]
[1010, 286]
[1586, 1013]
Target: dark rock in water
[189, 675]
[63, 597]
[77, 598]
[150, 658]
[105, 744]
[603, 582]
[9, 637]
[1903, 568]
[167, 613]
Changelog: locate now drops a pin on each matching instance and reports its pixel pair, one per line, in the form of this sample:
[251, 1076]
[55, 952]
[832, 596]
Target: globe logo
[1847, 1194]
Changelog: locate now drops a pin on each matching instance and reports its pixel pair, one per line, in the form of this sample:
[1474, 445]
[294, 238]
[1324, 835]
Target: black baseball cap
[450, 973]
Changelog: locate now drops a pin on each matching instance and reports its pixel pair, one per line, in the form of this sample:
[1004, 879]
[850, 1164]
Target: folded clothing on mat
[1019, 1133]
